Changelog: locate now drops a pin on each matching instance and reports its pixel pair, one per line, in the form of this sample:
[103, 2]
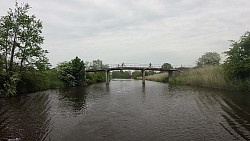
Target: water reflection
[127, 110]
[74, 97]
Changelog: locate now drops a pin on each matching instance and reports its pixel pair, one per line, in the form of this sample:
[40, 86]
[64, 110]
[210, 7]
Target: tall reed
[210, 76]
[159, 77]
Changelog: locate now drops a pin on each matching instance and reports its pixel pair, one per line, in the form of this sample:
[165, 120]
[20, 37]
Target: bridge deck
[130, 68]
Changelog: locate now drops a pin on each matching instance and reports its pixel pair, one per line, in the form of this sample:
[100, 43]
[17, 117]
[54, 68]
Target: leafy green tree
[121, 74]
[166, 66]
[20, 48]
[209, 58]
[97, 64]
[72, 73]
[238, 62]
[150, 72]
[96, 76]
[78, 71]
[20, 38]
[136, 74]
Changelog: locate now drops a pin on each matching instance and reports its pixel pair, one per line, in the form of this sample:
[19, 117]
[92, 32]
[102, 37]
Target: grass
[209, 76]
[212, 77]
[159, 77]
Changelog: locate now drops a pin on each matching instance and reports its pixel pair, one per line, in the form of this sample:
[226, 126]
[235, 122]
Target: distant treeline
[129, 74]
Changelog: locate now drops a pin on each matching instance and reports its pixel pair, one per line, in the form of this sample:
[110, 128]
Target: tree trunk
[6, 51]
[21, 67]
[12, 53]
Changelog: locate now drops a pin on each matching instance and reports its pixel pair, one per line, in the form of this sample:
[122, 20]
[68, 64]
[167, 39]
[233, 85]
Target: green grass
[212, 77]
[159, 77]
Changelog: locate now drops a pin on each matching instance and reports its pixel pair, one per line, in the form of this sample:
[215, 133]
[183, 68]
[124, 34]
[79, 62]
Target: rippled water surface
[127, 110]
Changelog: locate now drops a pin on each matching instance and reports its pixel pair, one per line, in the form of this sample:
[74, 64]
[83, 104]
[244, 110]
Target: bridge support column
[85, 77]
[143, 77]
[170, 75]
[107, 77]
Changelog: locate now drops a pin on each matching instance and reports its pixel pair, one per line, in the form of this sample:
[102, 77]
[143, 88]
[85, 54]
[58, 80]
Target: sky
[137, 31]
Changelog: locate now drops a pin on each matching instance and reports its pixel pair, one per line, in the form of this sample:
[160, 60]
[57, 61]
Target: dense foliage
[121, 74]
[136, 74]
[20, 40]
[95, 77]
[20, 48]
[166, 66]
[33, 81]
[209, 58]
[238, 62]
[72, 73]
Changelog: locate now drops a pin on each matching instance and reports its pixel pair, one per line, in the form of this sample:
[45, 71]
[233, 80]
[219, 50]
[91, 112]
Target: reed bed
[159, 77]
[212, 77]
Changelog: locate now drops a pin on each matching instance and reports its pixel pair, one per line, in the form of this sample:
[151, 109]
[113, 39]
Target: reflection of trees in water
[24, 117]
[74, 97]
[77, 97]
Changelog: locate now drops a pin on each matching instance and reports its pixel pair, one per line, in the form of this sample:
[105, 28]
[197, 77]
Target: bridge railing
[134, 65]
[124, 65]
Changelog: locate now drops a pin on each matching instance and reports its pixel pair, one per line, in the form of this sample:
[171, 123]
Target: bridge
[142, 68]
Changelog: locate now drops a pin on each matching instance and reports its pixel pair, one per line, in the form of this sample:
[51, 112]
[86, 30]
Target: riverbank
[159, 77]
[210, 77]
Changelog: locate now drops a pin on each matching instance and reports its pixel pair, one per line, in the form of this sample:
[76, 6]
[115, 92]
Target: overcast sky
[137, 31]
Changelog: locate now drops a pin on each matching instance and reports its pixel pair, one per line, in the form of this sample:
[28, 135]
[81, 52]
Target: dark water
[127, 110]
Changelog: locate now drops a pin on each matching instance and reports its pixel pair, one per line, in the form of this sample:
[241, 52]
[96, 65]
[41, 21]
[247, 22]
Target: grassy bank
[212, 77]
[159, 77]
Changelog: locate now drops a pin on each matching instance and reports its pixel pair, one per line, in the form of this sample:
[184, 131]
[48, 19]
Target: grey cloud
[139, 31]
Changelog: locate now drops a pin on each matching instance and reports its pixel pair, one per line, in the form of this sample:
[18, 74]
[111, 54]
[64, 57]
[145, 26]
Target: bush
[72, 73]
[95, 77]
[8, 84]
[31, 82]
[237, 65]
[37, 81]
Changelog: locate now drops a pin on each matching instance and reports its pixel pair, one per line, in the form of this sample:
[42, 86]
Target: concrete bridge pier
[170, 75]
[107, 77]
[143, 77]
[85, 76]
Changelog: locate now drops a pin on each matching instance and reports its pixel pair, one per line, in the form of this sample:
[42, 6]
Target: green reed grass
[159, 77]
[212, 77]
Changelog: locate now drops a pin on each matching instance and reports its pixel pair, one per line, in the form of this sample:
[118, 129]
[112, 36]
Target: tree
[20, 47]
[121, 74]
[209, 58]
[78, 71]
[72, 73]
[136, 74]
[96, 76]
[20, 38]
[97, 64]
[166, 66]
[237, 63]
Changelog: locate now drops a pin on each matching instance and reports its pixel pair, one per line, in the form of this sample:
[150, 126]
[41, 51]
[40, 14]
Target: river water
[127, 110]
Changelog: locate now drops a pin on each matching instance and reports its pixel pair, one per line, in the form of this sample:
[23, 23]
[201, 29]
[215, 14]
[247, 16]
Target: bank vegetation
[233, 74]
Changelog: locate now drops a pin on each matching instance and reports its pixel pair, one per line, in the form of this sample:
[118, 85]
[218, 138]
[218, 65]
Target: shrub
[237, 65]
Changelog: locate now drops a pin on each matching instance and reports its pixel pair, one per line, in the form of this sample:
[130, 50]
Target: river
[127, 110]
